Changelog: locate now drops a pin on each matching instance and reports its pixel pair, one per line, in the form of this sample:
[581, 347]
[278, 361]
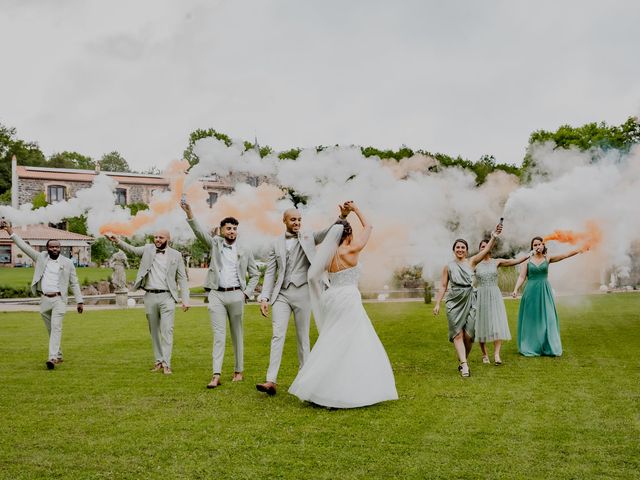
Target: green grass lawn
[102, 414]
[23, 276]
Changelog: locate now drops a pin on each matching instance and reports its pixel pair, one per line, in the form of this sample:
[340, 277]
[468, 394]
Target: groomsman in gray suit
[51, 278]
[161, 271]
[228, 289]
[285, 288]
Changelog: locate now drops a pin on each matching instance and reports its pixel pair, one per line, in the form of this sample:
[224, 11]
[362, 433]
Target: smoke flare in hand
[588, 239]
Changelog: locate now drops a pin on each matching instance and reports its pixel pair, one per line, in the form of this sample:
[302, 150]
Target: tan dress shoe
[215, 381]
[237, 377]
[157, 367]
[167, 370]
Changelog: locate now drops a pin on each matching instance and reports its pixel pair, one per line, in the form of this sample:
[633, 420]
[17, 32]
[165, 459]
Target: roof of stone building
[77, 175]
[44, 232]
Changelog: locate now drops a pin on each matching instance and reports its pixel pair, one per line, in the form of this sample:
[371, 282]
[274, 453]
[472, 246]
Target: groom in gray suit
[285, 288]
[161, 271]
[228, 289]
[51, 278]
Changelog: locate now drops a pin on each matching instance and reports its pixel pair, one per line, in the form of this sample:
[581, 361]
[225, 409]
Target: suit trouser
[160, 309]
[52, 310]
[223, 305]
[291, 299]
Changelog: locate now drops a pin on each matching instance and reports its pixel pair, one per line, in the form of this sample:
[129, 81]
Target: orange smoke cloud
[588, 239]
[175, 173]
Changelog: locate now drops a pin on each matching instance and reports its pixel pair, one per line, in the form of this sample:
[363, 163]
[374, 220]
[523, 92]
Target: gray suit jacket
[246, 262]
[176, 273]
[277, 260]
[67, 270]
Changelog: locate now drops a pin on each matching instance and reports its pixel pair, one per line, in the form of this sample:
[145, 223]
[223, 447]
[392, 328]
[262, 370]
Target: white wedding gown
[348, 366]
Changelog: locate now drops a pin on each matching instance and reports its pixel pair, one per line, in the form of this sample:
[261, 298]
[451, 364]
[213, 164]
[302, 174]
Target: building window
[56, 193]
[121, 196]
[213, 198]
[5, 253]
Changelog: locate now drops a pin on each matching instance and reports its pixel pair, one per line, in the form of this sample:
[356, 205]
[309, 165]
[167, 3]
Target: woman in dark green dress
[460, 301]
[538, 327]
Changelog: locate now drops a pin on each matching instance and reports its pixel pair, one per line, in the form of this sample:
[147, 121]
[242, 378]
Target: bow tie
[224, 245]
[160, 251]
[288, 235]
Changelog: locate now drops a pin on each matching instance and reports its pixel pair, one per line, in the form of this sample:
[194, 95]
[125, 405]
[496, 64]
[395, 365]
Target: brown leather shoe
[267, 387]
[215, 381]
[157, 367]
[237, 377]
[166, 369]
[58, 361]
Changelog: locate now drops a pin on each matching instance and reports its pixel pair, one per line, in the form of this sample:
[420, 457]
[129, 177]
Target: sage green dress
[491, 315]
[538, 326]
[460, 300]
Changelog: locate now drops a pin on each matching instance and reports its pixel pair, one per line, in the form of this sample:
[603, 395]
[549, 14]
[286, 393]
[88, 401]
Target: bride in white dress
[348, 366]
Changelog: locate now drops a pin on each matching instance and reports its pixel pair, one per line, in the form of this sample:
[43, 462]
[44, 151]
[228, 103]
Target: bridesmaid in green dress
[538, 327]
[491, 316]
[461, 298]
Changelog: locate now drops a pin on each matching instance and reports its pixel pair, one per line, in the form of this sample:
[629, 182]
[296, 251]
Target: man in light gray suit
[285, 288]
[51, 278]
[228, 289]
[161, 271]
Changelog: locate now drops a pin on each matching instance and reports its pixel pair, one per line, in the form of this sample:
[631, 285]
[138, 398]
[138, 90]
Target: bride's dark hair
[346, 230]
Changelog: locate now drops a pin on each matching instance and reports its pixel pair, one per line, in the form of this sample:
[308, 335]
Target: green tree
[113, 162]
[27, 153]
[189, 155]
[593, 137]
[77, 224]
[71, 160]
[39, 201]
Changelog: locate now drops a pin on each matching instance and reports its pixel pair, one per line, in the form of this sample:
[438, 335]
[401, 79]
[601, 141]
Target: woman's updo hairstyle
[346, 230]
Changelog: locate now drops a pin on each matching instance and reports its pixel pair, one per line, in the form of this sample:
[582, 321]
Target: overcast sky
[459, 77]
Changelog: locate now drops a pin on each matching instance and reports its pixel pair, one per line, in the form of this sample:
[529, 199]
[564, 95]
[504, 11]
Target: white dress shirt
[157, 277]
[50, 277]
[229, 268]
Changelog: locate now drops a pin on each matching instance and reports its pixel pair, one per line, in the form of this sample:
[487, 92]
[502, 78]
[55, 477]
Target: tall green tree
[113, 162]
[27, 153]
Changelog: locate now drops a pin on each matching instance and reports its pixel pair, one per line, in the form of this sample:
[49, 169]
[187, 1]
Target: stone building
[63, 183]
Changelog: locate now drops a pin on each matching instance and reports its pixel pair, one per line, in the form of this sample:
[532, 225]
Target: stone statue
[119, 262]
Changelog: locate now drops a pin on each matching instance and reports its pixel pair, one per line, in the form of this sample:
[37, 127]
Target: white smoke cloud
[416, 213]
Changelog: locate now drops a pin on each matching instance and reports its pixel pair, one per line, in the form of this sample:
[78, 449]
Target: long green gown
[538, 326]
[460, 299]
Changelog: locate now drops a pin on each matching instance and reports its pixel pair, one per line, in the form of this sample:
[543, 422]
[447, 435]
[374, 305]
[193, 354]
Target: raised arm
[125, 246]
[359, 243]
[195, 226]
[520, 281]
[562, 256]
[478, 257]
[318, 236]
[22, 245]
[444, 283]
[510, 262]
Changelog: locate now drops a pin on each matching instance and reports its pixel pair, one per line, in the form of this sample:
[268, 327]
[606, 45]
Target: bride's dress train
[348, 366]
